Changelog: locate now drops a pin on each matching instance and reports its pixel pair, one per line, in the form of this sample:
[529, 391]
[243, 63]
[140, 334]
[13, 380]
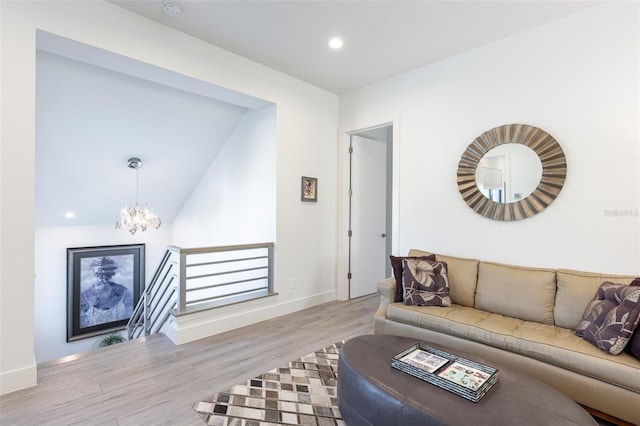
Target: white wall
[50, 313]
[306, 135]
[576, 78]
[235, 201]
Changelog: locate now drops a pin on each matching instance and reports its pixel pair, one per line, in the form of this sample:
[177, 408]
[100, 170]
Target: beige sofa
[524, 319]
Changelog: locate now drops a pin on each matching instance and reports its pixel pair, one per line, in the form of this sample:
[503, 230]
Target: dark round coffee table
[371, 392]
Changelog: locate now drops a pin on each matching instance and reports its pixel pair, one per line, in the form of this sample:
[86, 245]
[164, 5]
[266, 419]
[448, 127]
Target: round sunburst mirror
[511, 172]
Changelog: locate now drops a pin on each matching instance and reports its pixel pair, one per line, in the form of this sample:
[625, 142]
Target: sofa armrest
[387, 293]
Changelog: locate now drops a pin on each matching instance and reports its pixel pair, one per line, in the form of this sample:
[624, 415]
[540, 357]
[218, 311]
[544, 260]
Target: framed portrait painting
[309, 189]
[104, 285]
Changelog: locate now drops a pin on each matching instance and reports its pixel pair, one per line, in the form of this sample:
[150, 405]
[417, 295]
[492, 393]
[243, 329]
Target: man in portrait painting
[105, 301]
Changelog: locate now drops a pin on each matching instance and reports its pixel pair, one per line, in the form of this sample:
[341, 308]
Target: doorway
[370, 212]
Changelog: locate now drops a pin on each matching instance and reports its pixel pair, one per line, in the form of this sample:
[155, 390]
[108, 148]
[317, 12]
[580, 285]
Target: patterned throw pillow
[633, 347]
[610, 319]
[425, 283]
[396, 264]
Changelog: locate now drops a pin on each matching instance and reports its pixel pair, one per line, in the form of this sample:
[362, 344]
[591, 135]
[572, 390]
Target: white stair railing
[197, 279]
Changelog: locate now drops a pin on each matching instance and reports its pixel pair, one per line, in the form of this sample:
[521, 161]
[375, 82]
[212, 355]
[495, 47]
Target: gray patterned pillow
[425, 283]
[610, 319]
[633, 347]
[396, 264]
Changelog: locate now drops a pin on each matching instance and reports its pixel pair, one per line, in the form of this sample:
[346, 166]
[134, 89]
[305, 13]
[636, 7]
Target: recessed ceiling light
[69, 215]
[172, 9]
[336, 43]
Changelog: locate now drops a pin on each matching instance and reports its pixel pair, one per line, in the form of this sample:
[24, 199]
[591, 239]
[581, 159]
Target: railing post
[182, 280]
[270, 268]
[145, 313]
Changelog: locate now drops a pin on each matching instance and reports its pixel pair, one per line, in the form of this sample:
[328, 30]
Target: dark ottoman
[371, 392]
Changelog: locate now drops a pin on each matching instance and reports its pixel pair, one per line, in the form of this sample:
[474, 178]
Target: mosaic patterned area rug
[302, 393]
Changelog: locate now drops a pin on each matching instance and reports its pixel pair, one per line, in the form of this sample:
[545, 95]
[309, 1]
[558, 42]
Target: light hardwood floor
[151, 381]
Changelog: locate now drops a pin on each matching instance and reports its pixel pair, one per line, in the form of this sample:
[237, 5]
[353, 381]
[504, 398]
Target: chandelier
[136, 217]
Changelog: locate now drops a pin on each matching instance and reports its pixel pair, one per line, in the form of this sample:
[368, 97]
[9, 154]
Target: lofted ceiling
[96, 109]
[90, 120]
[93, 114]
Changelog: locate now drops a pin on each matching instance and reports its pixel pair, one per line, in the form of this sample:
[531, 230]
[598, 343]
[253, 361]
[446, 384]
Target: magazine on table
[464, 377]
[422, 359]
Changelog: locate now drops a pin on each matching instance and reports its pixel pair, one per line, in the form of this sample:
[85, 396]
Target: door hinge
[350, 233]
[349, 276]
[350, 150]
[350, 193]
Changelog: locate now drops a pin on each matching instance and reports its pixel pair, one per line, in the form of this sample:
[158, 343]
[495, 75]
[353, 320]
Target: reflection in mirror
[508, 173]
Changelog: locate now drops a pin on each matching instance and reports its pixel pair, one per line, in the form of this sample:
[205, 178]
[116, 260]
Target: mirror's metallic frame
[554, 172]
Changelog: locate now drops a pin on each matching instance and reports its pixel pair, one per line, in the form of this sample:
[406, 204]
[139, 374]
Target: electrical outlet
[292, 283]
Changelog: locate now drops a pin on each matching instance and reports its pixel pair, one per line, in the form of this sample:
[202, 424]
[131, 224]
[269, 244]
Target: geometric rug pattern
[302, 393]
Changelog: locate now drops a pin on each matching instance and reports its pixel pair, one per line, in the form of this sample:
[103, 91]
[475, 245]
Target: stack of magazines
[464, 377]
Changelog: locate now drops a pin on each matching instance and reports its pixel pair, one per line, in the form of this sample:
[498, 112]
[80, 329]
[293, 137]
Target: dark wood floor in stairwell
[151, 381]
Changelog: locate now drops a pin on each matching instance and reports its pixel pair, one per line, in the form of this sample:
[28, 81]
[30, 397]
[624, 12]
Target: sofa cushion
[610, 319]
[463, 276]
[575, 291]
[547, 343]
[519, 292]
[425, 283]
[396, 265]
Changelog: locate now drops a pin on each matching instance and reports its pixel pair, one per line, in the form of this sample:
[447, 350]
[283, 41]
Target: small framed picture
[309, 189]
[104, 285]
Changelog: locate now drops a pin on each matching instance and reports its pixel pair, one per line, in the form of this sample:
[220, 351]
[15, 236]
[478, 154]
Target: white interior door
[368, 215]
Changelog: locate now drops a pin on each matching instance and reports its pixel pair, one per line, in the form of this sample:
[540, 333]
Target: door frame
[342, 283]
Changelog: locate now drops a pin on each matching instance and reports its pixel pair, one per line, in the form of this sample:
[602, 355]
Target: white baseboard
[187, 328]
[11, 381]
